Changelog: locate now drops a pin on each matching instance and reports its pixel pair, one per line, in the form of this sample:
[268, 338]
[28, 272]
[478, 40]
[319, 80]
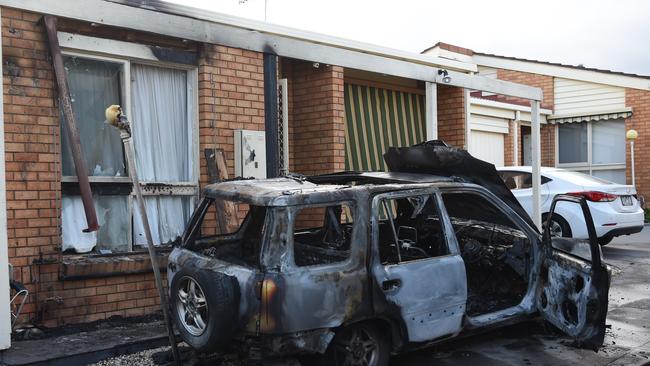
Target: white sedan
[615, 208]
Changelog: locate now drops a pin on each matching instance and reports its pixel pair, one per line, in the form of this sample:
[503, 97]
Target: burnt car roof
[320, 188]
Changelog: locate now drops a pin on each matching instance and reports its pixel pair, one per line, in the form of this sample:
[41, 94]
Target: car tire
[605, 240]
[357, 343]
[205, 307]
[560, 225]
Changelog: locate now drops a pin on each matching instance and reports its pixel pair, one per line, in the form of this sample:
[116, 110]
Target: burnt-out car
[352, 267]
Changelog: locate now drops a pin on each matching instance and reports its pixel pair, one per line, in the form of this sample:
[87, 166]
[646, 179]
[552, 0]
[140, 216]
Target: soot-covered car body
[356, 266]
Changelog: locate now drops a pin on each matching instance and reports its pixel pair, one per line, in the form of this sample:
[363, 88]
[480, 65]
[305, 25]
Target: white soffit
[541, 68]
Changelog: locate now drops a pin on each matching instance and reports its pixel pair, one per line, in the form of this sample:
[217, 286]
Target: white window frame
[587, 166]
[127, 53]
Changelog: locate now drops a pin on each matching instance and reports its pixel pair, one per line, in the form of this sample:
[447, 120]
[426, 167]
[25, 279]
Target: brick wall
[451, 115]
[547, 142]
[539, 81]
[317, 117]
[509, 145]
[230, 97]
[547, 132]
[639, 100]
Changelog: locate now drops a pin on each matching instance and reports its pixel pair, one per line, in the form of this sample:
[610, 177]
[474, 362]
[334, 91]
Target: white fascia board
[507, 106]
[250, 35]
[624, 81]
[204, 26]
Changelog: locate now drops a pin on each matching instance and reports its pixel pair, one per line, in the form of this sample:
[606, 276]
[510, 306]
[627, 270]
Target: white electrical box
[250, 154]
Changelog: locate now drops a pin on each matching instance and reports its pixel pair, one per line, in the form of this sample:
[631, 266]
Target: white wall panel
[488, 146]
[580, 97]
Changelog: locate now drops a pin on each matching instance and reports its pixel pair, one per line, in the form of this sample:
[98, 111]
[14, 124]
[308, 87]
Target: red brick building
[188, 81]
[585, 115]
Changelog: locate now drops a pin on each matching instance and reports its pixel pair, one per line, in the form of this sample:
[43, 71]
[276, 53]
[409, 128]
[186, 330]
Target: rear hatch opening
[236, 238]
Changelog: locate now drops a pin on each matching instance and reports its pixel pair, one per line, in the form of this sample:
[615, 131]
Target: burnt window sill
[76, 267]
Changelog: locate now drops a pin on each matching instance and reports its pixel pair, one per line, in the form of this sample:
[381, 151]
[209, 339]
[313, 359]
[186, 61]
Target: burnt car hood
[437, 158]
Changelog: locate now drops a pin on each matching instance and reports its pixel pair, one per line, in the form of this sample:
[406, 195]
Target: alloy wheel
[192, 306]
[358, 348]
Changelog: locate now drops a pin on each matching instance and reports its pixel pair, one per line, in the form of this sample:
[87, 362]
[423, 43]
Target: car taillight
[595, 196]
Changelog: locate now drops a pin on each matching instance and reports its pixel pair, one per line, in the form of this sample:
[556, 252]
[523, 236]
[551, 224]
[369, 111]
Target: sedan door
[419, 273]
[573, 284]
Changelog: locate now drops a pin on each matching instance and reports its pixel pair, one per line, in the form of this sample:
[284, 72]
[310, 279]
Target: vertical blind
[377, 119]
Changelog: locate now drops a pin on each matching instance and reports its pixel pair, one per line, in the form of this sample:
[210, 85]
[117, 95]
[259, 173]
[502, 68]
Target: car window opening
[410, 229]
[322, 235]
[495, 252]
[238, 244]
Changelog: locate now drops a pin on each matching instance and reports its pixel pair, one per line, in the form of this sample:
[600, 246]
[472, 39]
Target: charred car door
[418, 272]
[573, 285]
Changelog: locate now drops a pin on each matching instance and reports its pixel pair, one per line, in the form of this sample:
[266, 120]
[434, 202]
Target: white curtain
[162, 133]
[112, 215]
[94, 85]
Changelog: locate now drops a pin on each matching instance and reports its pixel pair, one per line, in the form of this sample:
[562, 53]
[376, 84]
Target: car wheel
[204, 307]
[359, 344]
[605, 240]
[559, 226]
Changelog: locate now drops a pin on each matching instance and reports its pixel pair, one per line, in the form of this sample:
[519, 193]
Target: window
[519, 180]
[410, 229]
[159, 101]
[595, 148]
[322, 235]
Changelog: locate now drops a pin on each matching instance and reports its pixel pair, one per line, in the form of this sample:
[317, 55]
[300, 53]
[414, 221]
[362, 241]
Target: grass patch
[647, 215]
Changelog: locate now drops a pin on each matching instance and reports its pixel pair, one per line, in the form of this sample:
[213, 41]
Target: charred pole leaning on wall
[71, 124]
[115, 118]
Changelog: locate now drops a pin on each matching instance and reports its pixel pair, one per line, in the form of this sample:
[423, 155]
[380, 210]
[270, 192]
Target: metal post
[431, 111]
[536, 162]
[125, 134]
[271, 114]
[468, 117]
[515, 138]
[71, 125]
[632, 162]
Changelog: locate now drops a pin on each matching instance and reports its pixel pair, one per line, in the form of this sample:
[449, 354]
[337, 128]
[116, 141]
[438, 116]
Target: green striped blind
[377, 119]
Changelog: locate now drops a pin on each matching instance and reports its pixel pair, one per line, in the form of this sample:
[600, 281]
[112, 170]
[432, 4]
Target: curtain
[162, 138]
[112, 215]
[608, 142]
[572, 142]
[94, 85]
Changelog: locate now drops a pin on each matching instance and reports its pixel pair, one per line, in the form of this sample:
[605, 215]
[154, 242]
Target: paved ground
[533, 343]
[627, 341]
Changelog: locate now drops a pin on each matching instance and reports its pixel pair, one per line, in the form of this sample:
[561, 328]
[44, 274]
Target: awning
[591, 117]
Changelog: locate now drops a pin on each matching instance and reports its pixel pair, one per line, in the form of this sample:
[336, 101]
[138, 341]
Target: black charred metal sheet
[436, 158]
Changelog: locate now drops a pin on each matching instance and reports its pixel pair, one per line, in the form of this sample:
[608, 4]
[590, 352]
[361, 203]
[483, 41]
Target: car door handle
[390, 285]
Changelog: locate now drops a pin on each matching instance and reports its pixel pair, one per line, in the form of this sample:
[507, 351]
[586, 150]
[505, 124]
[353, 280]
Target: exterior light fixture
[445, 76]
[632, 135]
